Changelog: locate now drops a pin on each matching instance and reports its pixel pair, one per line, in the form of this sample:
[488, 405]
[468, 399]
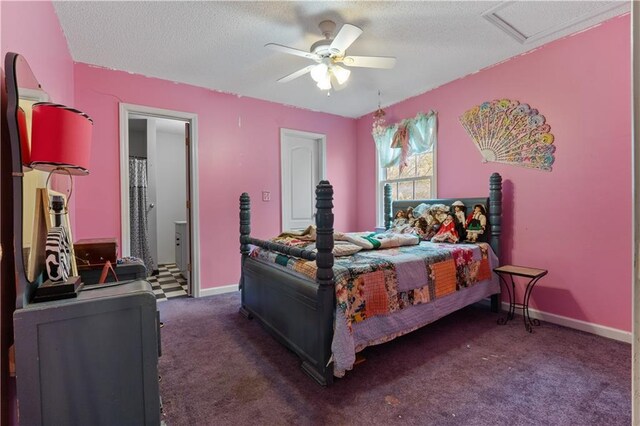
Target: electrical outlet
[266, 196]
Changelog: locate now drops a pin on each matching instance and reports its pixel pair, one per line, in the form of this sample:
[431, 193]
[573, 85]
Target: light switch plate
[266, 196]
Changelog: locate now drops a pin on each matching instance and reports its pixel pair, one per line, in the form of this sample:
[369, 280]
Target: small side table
[534, 276]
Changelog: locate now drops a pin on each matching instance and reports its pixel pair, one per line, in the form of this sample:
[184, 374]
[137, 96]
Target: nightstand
[534, 276]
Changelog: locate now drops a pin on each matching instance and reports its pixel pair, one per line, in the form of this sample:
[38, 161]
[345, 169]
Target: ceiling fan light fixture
[319, 72]
[325, 82]
[341, 74]
[335, 85]
[330, 51]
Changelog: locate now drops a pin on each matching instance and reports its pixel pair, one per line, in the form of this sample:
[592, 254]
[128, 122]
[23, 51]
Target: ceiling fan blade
[292, 51]
[369, 61]
[347, 35]
[296, 74]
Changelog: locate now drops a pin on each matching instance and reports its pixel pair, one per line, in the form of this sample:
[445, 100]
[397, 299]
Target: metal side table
[534, 276]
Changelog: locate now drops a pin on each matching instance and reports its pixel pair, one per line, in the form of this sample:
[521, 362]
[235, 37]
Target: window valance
[409, 137]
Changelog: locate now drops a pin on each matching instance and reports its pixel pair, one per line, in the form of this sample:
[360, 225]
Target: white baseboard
[218, 290]
[599, 330]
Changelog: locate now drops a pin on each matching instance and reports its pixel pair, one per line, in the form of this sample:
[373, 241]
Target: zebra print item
[58, 254]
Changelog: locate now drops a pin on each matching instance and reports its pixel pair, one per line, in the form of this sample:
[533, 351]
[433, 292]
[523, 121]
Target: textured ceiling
[220, 45]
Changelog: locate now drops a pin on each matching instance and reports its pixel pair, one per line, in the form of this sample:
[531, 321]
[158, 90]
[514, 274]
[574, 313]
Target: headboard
[492, 204]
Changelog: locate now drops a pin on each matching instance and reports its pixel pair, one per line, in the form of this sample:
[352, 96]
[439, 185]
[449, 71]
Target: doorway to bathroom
[159, 197]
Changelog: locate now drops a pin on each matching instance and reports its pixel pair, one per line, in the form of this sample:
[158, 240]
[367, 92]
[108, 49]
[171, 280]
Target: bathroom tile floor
[169, 283]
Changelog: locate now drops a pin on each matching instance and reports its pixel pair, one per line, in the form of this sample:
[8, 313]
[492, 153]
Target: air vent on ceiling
[530, 21]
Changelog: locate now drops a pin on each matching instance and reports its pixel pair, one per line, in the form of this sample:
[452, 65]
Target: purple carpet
[219, 368]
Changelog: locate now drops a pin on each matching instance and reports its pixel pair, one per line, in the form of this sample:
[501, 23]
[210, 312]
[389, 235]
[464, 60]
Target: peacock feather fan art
[507, 131]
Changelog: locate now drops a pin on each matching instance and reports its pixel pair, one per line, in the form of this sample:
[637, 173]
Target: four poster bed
[326, 308]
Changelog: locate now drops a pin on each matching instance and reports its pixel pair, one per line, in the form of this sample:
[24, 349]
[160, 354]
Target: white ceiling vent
[530, 21]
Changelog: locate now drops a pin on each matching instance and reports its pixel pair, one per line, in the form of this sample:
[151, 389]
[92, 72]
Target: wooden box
[125, 272]
[95, 252]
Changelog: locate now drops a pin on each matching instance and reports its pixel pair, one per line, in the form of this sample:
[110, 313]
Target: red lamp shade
[25, 147]
[60, 138]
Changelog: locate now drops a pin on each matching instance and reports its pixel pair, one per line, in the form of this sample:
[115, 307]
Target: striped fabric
[306, 267]
[375, 293]
[444, 277]
[484, 271]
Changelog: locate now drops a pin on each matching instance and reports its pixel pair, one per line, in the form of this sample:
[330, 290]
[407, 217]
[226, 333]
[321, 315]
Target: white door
[302, 167]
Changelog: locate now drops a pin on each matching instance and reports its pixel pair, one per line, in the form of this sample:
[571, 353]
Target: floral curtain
[411, 136]
[138, 212]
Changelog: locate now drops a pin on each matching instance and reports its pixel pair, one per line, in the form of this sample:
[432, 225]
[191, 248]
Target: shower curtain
[138, 212]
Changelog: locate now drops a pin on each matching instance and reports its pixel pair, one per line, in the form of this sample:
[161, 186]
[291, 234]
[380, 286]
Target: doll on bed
[400, 219]
[460, 212]
[439, 212]
[400, 223]
[411, 219]
[447, 232]
[424, 230]
[476, 223]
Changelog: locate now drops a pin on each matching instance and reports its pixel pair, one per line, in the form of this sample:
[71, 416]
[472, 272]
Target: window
[416, 180]
[417, 137]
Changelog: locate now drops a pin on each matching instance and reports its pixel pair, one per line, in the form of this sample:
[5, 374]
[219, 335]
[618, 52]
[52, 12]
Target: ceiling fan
[330, 52]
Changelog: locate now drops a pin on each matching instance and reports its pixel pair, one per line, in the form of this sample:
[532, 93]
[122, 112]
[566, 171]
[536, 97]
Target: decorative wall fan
[506, 131]
[330, 52]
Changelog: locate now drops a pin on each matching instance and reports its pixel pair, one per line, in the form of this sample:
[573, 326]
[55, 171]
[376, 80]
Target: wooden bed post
[322, 371]
[387, 206]
[324, 239]
[495, 211]
[245, 223]
[245, 231]
[495, 219]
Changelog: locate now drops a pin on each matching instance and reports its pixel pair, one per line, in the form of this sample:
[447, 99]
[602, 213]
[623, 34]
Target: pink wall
[32, 29]
[581, 84]
[574, 221]
[232, 160]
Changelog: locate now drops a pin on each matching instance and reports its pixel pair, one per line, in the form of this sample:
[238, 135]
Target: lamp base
[50, 290]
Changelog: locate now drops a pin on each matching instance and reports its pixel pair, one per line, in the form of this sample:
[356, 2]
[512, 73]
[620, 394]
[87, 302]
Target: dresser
[91, 360]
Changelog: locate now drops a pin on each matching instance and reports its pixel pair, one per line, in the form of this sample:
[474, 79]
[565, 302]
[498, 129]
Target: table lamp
[60, 143]
[60, 139]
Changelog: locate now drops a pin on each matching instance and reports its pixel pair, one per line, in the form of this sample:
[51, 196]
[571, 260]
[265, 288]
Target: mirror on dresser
[20, 91]
[39, 136]
[23, 91]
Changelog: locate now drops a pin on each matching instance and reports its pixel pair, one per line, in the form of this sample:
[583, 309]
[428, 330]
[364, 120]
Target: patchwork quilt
[379, 284]
[374, 241]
